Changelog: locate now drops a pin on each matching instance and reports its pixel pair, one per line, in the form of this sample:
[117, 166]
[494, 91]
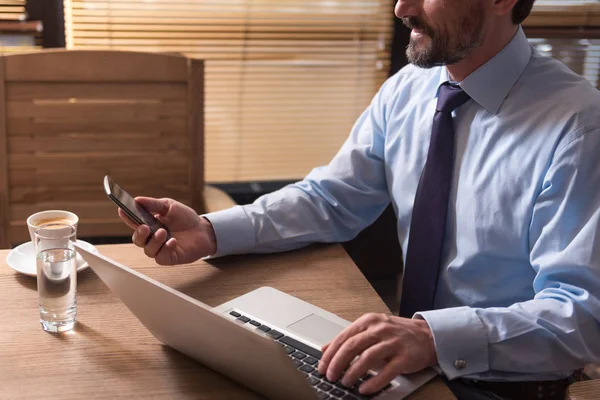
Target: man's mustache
[418, 24]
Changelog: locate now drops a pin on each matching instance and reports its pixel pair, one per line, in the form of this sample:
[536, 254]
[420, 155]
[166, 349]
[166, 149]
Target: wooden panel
[84, 193]
[125, 90]
[98, 161]
[97, 110]
[171, 126]
[196, 131]
[83, 143]
[95, 66]
[91, 210]
[75, 116]
[4, 196]
[127, 177]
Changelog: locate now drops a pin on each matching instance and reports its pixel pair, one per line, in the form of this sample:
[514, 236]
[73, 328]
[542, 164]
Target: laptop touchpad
[316, 329]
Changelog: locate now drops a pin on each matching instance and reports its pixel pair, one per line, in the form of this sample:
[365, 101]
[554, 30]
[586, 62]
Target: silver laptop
[265, 340]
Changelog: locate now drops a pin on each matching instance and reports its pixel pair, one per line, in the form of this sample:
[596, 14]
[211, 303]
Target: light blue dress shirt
[518, 296]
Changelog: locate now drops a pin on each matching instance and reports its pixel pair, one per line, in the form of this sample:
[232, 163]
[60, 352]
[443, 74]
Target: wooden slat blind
[581, 55]
[13, 11]
[580, 13]
[568, 30]
[285, 79]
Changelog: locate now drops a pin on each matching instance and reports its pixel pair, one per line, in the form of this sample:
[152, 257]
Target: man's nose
[408, 8]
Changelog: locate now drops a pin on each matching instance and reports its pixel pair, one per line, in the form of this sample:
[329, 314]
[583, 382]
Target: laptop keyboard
[306, 360]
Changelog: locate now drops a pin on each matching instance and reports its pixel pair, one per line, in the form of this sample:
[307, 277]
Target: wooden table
[111, 355]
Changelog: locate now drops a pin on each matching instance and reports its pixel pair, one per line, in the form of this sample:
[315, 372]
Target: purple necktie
[426, 235]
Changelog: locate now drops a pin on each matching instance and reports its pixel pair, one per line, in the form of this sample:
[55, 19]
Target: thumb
[154, 206]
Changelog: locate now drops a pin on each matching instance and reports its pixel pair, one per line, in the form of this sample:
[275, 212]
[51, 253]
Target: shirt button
[460, 364]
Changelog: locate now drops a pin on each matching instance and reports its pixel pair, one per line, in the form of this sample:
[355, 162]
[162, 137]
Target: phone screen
[134, 211]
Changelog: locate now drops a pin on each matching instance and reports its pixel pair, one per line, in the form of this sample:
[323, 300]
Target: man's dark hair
[521, 10]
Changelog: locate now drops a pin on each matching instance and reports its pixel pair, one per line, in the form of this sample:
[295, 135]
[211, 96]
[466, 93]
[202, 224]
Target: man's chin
[420, 45]
[422, 60]
[419, 53]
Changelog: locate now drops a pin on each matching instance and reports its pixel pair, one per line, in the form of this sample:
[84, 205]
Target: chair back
[67, 118]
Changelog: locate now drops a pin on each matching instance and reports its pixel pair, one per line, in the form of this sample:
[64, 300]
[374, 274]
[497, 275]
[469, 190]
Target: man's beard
[446, 48]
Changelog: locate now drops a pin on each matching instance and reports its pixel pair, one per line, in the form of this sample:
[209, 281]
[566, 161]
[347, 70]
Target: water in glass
[57, 283]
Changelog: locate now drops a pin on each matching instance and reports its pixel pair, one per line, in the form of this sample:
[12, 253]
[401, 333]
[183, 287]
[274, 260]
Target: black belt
[538, 390]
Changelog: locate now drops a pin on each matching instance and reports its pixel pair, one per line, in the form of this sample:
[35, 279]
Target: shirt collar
[489, 84]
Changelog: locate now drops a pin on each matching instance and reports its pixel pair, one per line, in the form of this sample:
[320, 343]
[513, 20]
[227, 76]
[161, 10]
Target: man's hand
[392, 344]
[192, 236]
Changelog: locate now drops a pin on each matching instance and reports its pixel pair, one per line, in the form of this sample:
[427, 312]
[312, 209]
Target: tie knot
[450, 97]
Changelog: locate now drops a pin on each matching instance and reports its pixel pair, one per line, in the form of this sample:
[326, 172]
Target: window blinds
[17, 36]
[565, 13]
[568, 30]
[581, 55]
[12, 10]
[285, 79]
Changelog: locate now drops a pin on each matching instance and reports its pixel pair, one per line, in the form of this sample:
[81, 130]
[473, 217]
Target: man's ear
[503, 7]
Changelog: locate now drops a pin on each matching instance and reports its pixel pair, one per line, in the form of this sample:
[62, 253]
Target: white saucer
[22, 258]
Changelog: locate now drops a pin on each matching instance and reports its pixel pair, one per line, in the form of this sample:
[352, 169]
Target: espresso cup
[51, 217]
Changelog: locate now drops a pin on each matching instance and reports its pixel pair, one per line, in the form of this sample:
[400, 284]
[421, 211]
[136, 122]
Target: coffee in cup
[51, 217]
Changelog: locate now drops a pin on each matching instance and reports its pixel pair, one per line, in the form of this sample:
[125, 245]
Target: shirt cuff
[234, 231]
[460, 340]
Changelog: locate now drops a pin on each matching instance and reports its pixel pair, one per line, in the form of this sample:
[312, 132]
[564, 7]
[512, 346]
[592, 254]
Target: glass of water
[56, 276]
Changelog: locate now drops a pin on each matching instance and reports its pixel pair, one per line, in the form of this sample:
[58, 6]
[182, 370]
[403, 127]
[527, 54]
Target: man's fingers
[385, 376]
[347, 352]
[155, 243]
[168, 254]
[126, 219]
[336, 343]
[140, 235]
[357, 326]
[154, 206]
[371, 358]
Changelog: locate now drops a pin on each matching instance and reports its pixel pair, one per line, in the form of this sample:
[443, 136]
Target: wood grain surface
[111, 355]
[4, 202]
[586, 390]
[56, 63]
[71, 117]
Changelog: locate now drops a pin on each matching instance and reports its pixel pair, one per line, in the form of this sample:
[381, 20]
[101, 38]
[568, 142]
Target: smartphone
[131, 208]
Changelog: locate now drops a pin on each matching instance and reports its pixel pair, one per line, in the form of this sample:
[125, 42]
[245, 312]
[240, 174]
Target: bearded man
[489, 155]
